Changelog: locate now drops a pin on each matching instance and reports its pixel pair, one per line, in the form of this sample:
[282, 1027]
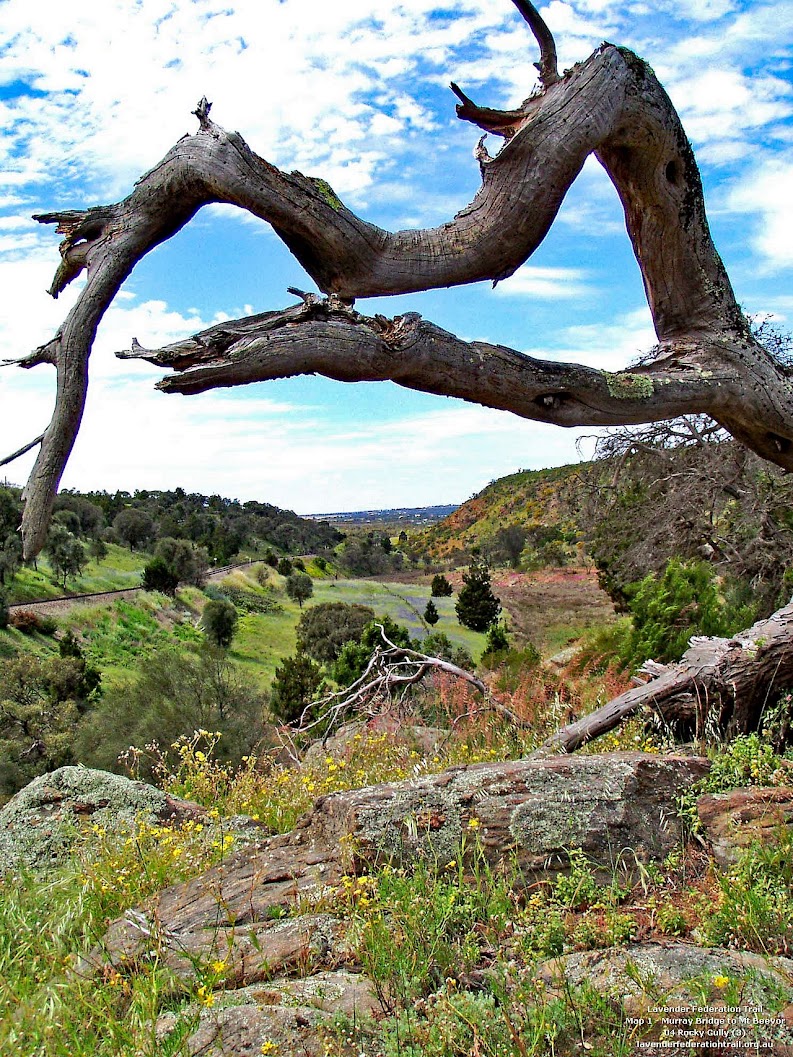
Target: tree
[188, 563]
[284, 567]
[159, 576]
[298, 681]
[220, 622]
[610, 106]
[299, 587]
[431, 614]
[322, 630]
[41, 703]
[66, 554]
[477, 607]
[135, 527]
[441, 588]
[10, 556]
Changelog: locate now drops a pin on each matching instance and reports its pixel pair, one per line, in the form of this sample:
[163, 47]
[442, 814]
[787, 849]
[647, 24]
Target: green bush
[355, 656]
[28, 622]
[220, 622]
[298, 681]
[441, 588]
[323, 629]
[667, 611]
[173, 692]
[158, 576]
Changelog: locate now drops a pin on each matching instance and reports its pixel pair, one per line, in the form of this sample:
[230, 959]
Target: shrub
[172, 692]
[220, 622]
[431, 614]
[355, 656]
[28, 622]
[158, 576]
[496, 646]
[322, 630]
[284, 567]
[298, 681]
[4, 612]
[668, 610]
[441, 588]
[440, 645]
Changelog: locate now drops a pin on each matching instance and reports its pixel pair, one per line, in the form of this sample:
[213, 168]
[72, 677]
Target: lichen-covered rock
[529, 811]
[39, 825]
[286, 1013]
[524, 813]
[688, 995]
[734, 821]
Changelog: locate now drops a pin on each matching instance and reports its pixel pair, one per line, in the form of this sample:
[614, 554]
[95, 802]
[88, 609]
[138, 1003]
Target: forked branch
[391, 671]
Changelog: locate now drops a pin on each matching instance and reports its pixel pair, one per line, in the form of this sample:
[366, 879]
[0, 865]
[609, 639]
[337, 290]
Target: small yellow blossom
[721, 981]
[205, 996]
[474, 823]
[218, 967]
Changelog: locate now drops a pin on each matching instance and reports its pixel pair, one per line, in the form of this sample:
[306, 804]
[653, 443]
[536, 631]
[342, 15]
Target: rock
[734, 821]
[39, 825]
[673, 983]
[424, 740]
[524, 813]
[251, 952]
[284, 1012]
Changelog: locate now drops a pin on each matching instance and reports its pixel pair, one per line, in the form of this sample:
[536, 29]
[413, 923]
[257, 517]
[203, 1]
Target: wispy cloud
[546, 284]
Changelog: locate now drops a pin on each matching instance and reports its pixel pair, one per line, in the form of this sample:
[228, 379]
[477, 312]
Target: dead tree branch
[391, 670]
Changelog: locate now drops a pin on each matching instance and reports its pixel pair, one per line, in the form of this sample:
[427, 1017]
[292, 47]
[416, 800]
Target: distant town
[413, 515]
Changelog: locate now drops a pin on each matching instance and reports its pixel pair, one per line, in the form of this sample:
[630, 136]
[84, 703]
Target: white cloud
[546, 284]
[609, 346]
[766, 192]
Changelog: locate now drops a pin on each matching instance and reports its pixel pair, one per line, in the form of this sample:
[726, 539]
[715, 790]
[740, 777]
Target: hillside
[529, 498]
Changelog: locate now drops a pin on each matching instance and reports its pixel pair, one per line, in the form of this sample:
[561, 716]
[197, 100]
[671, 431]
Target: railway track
[60, 601]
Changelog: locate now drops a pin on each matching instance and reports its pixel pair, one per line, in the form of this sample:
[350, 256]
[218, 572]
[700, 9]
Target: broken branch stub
[611, 105]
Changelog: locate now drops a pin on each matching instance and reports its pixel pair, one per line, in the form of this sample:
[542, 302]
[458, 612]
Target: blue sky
[92, 95]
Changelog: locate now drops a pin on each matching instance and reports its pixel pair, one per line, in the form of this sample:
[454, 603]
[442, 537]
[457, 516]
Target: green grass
[403, 602]
[120, 569]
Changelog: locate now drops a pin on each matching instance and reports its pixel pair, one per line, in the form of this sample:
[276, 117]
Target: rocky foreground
[270, 916]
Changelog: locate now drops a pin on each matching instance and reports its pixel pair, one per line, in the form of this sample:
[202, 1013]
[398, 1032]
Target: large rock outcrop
[619, 808]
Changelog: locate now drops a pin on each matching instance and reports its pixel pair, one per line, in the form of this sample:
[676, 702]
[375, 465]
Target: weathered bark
[610, 105]
[724, 684]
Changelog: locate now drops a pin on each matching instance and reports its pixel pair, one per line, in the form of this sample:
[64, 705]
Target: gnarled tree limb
[612, 106]
[332, 339]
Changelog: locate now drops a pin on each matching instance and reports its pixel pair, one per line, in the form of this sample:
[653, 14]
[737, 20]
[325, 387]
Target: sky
[93, 95]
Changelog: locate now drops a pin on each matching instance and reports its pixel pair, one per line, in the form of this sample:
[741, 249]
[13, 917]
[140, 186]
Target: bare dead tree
[610, 105]
[390, 673]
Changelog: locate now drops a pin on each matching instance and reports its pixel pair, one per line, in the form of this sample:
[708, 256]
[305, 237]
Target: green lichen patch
[629, 386]
[327, 193]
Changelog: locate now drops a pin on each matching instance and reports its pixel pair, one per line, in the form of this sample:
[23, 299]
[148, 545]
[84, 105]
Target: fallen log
[720, 687]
